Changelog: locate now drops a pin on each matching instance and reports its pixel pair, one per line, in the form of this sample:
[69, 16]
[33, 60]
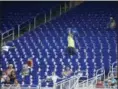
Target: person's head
[111, 18]
[111, 77]
[109, 81]
[10, 66]
[70, 34]
[25, 66]
[53, 73]
[99, 79]
[69, 30]
[67, 68]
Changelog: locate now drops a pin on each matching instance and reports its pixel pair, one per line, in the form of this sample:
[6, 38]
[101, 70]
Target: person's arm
[59, 77]
[6, 48]
[48, 78]
[71, 71]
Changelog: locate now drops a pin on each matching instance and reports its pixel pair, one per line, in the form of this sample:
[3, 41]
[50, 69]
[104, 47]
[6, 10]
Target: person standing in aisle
[71, 44]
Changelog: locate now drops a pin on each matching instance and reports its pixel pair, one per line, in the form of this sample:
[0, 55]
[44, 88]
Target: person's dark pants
[71, 51]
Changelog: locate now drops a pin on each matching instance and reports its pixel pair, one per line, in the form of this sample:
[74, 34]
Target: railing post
[70, 4]
[60, 9]
[29, 26]
[61, 85]
[104, 74]
[45, 17]
[1, 39]
[69, 84]
[97, 73]
[18, 30]
[87, 79]
[65, 6]
[113, 66]
[13, 36]
[50, 14]
[34, 22]
[39, 83]
[78, 82]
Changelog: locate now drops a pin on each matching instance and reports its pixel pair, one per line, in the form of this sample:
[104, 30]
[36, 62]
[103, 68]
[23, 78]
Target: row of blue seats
[14, 14]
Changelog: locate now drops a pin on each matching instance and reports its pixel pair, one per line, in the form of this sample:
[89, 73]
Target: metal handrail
[112, 69]
[93, 79]
[113, 65]
[8, 31]
[74, 85]
[67, 79]
[101, 69]
[18, 25]
[11, 34]
[74, 78]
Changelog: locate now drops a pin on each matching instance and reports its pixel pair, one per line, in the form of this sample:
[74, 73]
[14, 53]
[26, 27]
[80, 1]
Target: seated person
[4, 77]
[10, 69]
[99, 84]
[25, 70]
[12, 77]
[54, 79]
[67, 72]
[26, 67]
[113, 82]
[112, 23]
[30, 62]
[106, 84]
[7, 83]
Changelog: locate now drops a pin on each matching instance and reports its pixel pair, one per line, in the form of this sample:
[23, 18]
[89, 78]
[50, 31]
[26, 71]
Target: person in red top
[30, 62]
[99, 84]
[27, 67]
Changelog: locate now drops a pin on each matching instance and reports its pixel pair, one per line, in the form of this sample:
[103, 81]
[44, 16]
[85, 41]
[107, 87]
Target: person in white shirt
[6, 48]
[54, 78]
[25, 70]
[67, 72]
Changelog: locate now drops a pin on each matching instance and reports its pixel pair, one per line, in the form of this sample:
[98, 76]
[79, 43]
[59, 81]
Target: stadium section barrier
[40, 18]
[72, 82]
